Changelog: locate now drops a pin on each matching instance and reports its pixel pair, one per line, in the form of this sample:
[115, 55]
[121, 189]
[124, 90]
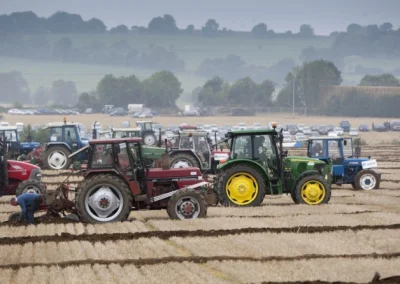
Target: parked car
[119, 112]
[292, 128]
[300, 127]
[323, 130]
[306, 130]
[315, 134]
[345, 125]
[353, 132]
[314, 127]
[363, 127]
[332, 134]
[330, 127]
[379, 127]
[339, 131]
[287, 137]
[395, 125]
[300, 137]
[242, 126]
[15, 111]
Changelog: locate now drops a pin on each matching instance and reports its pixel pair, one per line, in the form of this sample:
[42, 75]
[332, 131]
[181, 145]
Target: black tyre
[353, 185]
[312, 190]
[183, 160]
[367, 180]
[187, 204]
[103, 198]
[30, 185]
[149, 139]
[15, 217]
[241, 185]
[56, 158]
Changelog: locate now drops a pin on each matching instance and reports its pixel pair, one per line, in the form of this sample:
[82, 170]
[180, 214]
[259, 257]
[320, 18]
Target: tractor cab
[147, 132]
[9, 134]
[126, 132]
[67, 133]
[347, 168]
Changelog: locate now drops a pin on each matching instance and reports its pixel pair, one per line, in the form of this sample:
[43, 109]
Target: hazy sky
[325, 16]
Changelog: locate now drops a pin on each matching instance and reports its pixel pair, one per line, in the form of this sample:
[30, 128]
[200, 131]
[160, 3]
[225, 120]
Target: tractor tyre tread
[95, 180]
[25, 183]
[226, 174]
[362, 172]
[52, 149]
[184, 156]
[14, 217]
[186, 192]
[297, 191]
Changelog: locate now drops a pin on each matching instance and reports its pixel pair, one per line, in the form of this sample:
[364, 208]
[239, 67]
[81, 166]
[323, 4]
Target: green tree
[386, 27]
[243, 92]
[95, 26]
[306, 31]
[259, 30]
[162, 89]
[165, 24]
[212, 93]
[354, 29]
[41, 96]
[264, 95]
[13, 87]
[120, 91]
[64, 92]
[312, 77]
[210, 28]
[380, 80]
[63, 22]
[121, 29]
[189, 29]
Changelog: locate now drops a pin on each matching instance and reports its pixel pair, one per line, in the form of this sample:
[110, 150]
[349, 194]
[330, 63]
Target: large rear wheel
[103, 198]
[183, 160]
[241, 185]
[149, 139]
[56, 158]
[187, 204]
[312, 190]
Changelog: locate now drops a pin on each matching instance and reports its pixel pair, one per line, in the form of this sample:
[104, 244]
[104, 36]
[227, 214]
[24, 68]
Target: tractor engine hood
[150, 152]
[29, 145]
[302, 164]
[178, 174]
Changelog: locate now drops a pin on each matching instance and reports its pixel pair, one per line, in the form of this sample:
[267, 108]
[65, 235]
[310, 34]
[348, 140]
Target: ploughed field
[349, 239]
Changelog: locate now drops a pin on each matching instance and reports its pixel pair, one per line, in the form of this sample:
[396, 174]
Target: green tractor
[258, 165]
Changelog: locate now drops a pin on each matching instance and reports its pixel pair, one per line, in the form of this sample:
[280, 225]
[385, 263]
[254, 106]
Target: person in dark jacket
[29, 203]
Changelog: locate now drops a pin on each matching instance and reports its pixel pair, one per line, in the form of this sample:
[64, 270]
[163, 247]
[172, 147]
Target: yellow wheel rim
[242, 188]
[313, 192]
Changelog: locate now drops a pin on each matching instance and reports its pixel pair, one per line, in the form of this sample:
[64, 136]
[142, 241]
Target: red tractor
[18, 177]
[117, 180]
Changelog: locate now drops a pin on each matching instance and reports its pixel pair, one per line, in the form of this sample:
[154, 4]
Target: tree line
[63, 22]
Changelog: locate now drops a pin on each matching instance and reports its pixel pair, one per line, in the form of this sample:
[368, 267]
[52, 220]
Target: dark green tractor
[258, 165]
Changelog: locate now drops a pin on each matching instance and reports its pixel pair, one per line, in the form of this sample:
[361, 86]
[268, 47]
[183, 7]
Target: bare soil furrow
[67, 237]
[199, 259]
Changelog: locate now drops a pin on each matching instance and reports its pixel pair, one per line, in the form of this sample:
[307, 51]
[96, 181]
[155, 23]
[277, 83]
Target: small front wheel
[186, 204]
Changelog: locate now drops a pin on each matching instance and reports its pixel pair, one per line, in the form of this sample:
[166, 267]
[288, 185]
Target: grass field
[349, 239]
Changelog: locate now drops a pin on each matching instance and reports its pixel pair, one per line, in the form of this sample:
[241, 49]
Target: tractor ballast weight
[258, 166]
[347, 167]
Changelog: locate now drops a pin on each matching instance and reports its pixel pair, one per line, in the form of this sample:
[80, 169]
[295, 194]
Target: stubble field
[349, 239]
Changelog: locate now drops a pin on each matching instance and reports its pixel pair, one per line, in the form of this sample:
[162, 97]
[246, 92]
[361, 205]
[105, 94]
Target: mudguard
[49, 144]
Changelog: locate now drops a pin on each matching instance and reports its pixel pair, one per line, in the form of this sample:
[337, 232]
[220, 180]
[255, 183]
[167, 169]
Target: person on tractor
[29, 203]
[259, 148]
[317, 149]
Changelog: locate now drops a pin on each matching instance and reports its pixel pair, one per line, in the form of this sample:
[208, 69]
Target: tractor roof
[60, 124]
[326, 138]
[192, 133]
[126, 129]
[251, 132]
[116, 140]
[144, 121]
[8, 127]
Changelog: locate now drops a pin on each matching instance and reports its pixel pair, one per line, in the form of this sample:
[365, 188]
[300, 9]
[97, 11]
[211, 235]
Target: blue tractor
[346, 167]
[65, 140]
[15, 148]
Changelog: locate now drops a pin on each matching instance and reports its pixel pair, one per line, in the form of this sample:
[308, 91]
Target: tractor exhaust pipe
[94, 131]
[159, 138]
